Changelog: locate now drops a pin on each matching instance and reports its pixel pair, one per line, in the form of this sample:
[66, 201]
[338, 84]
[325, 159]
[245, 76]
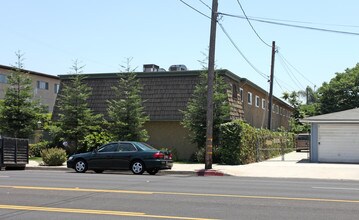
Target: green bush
[230, 143]
[94, 140]
[243, 144]
[35, 149]
[53, 156]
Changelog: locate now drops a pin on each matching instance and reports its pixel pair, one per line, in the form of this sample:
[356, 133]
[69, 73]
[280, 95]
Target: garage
[335, 137]
[338, 143]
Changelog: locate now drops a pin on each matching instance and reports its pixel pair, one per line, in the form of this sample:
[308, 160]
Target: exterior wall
[314, 143]
[234, 99]
[171, 135]
[256, 114]
[46, 96]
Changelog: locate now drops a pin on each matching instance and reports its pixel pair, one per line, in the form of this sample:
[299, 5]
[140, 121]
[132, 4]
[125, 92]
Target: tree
[19, 113]
[295, 125]
[341, 93]
[76, 120]
[195, 115]
[309, 94]
[125, 111]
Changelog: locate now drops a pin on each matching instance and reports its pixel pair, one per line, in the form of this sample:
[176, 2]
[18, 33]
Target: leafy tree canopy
[341, 93]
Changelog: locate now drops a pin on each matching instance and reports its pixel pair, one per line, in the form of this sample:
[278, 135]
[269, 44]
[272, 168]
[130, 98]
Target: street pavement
[293, 165]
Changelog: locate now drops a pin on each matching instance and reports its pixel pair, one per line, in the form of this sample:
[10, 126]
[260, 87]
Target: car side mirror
[95, 151]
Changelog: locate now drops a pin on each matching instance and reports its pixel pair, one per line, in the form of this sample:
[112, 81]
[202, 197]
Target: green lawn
[37, 159]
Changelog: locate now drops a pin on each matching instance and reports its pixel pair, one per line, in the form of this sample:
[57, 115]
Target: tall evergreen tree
[76, 119]
[126, 111]
[195, 115]
[19, 113]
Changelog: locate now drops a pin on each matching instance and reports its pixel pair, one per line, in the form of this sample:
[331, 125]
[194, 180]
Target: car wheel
[138, 167]
[81, 166]
[152, 171]
[98, 171]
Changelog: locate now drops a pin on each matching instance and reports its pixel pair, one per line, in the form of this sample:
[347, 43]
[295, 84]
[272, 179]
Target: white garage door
[338, 143]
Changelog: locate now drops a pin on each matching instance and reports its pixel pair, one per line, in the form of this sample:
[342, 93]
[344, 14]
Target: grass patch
[37, 159]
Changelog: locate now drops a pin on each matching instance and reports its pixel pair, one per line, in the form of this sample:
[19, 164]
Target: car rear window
[144, 146]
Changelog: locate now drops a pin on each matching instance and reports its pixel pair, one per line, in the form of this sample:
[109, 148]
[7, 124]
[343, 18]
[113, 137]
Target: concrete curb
[54, 168]
[202, 172]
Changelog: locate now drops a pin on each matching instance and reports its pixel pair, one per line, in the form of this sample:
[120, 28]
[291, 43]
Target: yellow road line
[183, 194]
[77, 189]
[94, 212]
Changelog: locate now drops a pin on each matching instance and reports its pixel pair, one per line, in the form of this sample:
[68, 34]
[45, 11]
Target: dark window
[3, 78]
[249, 96]
[234, 91]
[241, 94]
[109, 148]
[56, 88]
[126, 147]
[42, 85]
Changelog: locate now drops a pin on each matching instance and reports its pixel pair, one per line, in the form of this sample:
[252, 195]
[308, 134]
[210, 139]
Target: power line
[249, 22]
[205, 5]
[194, 9]
[231, 40]
[281, 55]
[240, 52]
[304, 22]
[292, 25]
[291, 75]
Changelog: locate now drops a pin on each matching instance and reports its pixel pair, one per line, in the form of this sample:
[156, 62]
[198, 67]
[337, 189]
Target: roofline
[29, 71]
[176, 73]
[326, 121]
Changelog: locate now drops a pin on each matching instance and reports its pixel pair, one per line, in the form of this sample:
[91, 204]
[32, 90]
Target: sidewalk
[295, 165]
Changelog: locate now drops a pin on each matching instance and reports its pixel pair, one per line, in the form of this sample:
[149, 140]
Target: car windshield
[144, 146]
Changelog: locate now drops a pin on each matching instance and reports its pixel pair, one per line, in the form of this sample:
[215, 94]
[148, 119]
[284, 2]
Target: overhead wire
[205, 4]
[231, 40]
[285, 60]
[193, 8]
[291, 75]
[250, 24]
[240, 52]
[304, 22]
[292, 25]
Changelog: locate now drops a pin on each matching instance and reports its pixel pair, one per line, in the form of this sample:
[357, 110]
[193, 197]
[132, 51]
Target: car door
[126, 152]
[104, 156]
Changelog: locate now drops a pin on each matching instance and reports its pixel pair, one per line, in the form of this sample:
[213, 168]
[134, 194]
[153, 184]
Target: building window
[3, 78]
[249, 97]
[241, 94]
[257, 101]
[263, 104]
[234, 91]
[42, 85]
[56, 88]
[277, 109]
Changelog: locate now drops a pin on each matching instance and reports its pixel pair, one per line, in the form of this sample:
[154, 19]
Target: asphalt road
[66, 195]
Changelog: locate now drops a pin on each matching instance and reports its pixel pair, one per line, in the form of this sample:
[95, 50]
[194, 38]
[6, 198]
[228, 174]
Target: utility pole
[211, 55]
[270, 109]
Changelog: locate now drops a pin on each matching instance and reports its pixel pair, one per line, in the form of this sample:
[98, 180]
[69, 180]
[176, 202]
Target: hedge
[241, 143]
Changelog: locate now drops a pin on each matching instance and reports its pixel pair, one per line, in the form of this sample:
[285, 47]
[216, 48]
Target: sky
[102, 34]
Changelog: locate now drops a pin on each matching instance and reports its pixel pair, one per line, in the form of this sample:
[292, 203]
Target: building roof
[164, 94]
[347, 116]
[29, 71]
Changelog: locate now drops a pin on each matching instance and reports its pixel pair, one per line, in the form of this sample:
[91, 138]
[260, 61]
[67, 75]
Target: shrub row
[243, 144]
